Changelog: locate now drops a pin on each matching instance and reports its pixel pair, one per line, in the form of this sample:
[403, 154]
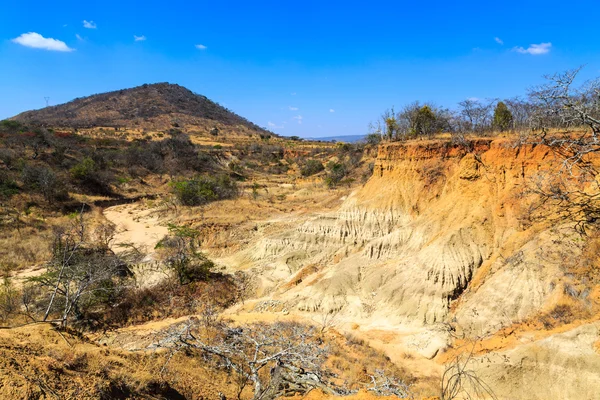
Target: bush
[84, 170]
[373, 139]
[204, 189]
[336, 172]
[311, 167]
[44, 181]
[179, 251]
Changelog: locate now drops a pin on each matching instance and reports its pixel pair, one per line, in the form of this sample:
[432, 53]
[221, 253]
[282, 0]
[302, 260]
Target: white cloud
[298, 118]
[498, 40]
[293, 108]
[201, 47]
[331, 110]
[535, 49]
[473, 99]
[274, 125]
[89, 24]
[78, 36]
[37, 41]
[139, 38]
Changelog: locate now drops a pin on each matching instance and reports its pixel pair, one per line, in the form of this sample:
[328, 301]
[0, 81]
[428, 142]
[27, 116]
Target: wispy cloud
[473, 99]
[293, 93]
[331, 110]
[293, 108]
[78, 36]
[498, 40]
[89, 24]
[201, 47]
[139, 38]
[298, 118]
[535, 49]
[37, 41]
[274, 125]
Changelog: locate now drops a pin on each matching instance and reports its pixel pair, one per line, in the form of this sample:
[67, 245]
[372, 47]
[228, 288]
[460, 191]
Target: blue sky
[309, 68]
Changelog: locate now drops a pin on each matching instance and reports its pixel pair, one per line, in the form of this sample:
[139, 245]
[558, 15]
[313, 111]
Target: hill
[155, 106]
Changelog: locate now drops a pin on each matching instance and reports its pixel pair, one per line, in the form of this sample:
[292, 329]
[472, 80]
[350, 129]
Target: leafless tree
[327, 319]
[574, 187]
[477, 114]
[521, 111]
[384, 385]
[278, 359]
[461, 381]
[81, 273]
[573, 107]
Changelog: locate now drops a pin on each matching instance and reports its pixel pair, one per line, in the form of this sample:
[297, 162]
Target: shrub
[8, 189]
[44, 181]
[179, 251]
[336, 172]
[84, 170]
[312, 167]
[373, 139]
[204, 189]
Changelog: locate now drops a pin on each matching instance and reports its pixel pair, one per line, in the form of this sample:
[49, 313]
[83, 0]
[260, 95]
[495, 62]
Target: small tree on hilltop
[502, 116]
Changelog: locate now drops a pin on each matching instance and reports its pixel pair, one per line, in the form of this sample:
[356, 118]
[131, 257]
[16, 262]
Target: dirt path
[136, 225]
[141, 227]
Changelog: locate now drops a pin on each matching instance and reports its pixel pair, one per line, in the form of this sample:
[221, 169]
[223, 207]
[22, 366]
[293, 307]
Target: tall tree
[502, 117]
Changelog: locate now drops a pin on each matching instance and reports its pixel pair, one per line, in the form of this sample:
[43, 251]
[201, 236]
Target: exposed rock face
[561, 366]
[436, 223]
[442, 233]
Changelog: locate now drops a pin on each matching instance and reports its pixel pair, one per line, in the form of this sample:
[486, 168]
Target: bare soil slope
[442, 241]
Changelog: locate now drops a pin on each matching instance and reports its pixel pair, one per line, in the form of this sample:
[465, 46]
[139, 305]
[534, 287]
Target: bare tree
[82, 272]
[521, 111]
[574, 188]
[327, 319]
[558, 101]
[477, 114]
[461, 381]
[290, 352]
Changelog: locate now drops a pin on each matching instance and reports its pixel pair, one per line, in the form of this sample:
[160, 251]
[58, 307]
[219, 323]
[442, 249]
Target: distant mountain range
[156, 106]
[343, 138]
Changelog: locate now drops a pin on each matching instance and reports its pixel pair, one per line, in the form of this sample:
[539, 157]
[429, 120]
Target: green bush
[311, 167]
[336, 172]
[204, 189]
[84, 170]
[179, 251]
[8, 188]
